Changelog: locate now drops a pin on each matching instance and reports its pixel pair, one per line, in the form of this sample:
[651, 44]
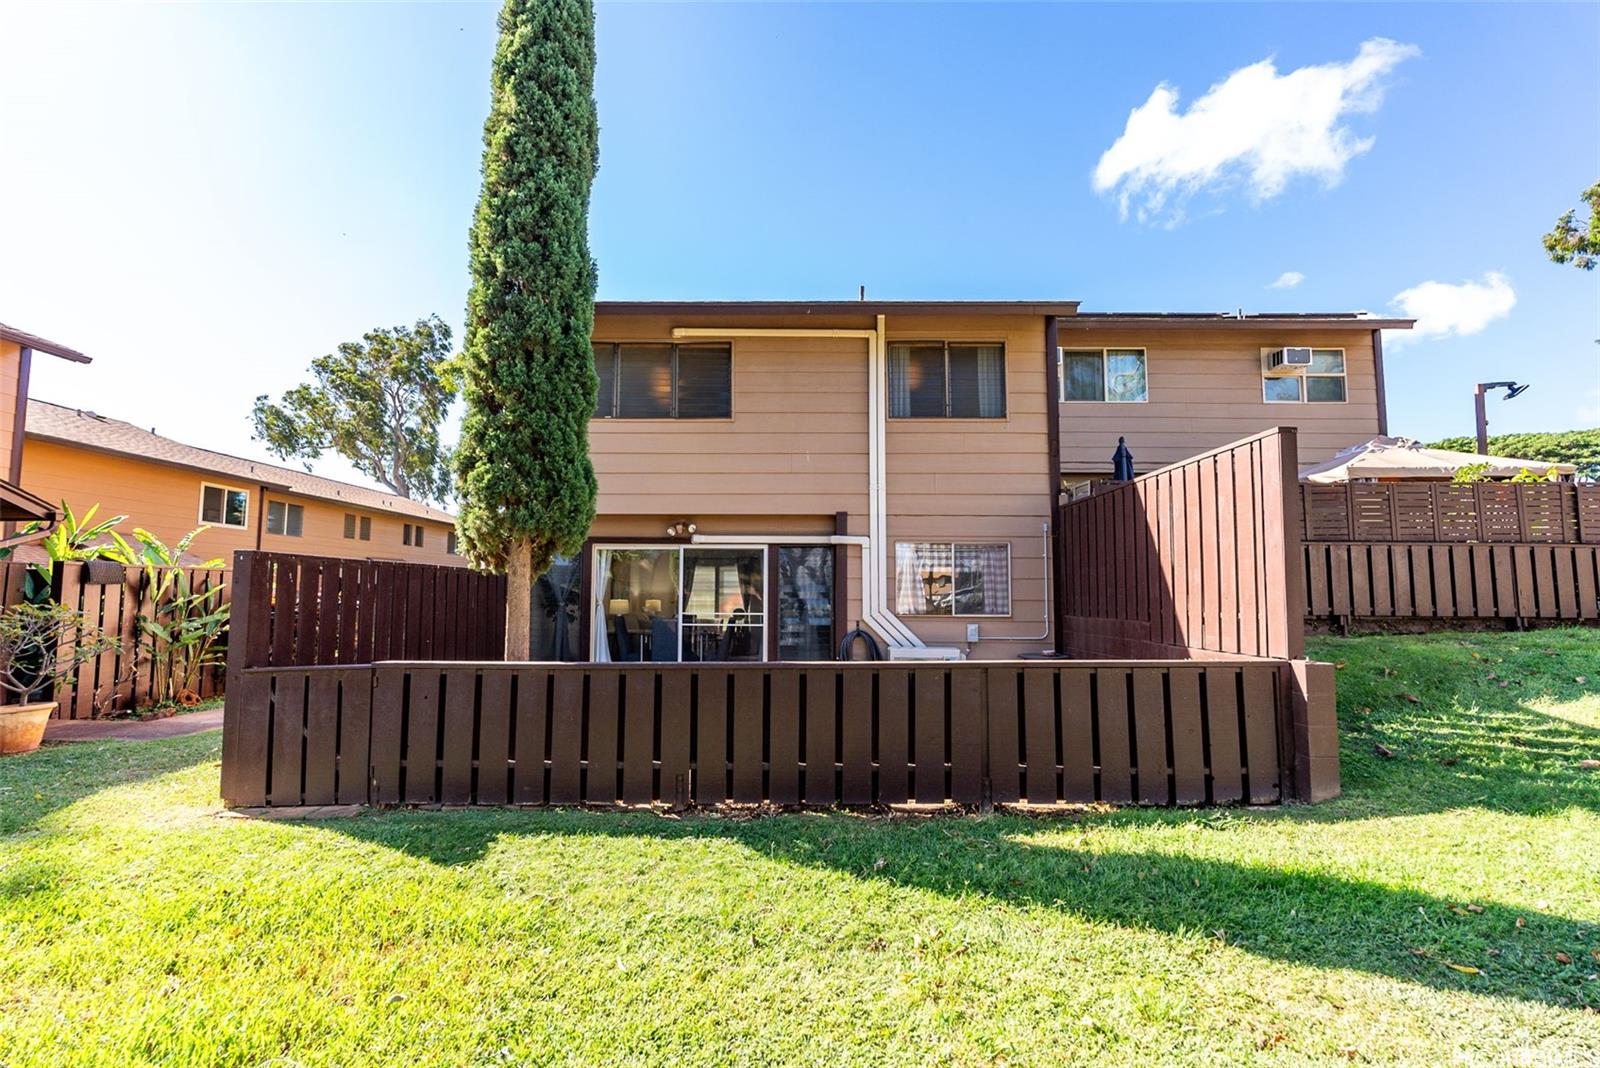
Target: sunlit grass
[137, 925]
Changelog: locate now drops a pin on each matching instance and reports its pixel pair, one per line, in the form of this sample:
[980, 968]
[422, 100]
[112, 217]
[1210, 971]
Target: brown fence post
[1286, 613]
[1307, 688]
[239, 626]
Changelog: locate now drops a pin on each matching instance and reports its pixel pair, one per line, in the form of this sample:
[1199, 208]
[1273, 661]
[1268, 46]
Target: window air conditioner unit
[1290, 361]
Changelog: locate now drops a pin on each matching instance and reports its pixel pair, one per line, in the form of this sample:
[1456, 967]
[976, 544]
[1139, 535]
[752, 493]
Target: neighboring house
[170, 488]
[16, 361]
[773, 474]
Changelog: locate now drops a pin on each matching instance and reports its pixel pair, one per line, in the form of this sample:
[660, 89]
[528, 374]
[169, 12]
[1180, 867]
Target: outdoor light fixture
[1512, 390]
[681, 529]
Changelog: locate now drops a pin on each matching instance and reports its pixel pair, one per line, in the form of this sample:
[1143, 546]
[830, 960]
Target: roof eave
[836, 307]
[41, 344]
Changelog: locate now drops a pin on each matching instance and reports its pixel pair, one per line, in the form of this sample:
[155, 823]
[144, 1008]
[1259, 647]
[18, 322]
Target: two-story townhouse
[775, 474]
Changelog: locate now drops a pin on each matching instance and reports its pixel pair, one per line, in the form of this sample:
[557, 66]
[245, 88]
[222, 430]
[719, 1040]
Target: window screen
[1112, 375]
[705, 380]
[285, 519]
[644, 382]
[658, 381]
[349, 525]
[930, 380]
[223, 507]
[945, 579]
[366, 528]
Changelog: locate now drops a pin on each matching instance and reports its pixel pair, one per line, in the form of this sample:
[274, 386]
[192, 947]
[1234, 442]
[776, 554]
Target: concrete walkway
[131, 730]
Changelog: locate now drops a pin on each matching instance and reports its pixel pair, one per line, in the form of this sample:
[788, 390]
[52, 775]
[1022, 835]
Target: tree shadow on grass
[1456, 736]
[1301, 917]
[33, 785]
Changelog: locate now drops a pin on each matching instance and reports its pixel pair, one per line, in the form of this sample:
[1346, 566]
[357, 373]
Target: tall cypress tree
[526, 484]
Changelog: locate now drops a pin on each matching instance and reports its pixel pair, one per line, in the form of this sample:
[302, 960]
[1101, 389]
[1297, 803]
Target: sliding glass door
[673, 603]
[669, 603]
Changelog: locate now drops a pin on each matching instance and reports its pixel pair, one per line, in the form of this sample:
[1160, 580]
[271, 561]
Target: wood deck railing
[815, 734]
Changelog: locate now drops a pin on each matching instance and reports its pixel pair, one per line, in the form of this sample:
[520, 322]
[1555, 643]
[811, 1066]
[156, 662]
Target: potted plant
[40, 645]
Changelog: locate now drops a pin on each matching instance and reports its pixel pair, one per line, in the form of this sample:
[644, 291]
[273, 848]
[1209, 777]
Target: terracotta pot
[22, 726]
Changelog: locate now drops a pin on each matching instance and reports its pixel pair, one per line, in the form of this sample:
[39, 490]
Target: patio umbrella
[1405, 458]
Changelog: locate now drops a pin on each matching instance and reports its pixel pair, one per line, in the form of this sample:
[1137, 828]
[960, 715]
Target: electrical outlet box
[972, 632]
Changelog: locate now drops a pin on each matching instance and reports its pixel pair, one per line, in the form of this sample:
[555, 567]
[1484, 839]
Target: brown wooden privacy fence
[1183, 732]
[1196, 559]
[1547, 512]
[112, 598]
[1439, 580]
[307, 610]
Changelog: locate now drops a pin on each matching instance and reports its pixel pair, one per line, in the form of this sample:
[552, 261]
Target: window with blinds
[657, 381]
[947, 380]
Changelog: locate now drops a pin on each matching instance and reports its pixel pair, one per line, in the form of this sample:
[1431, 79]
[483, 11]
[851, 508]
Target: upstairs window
[450, 542]
[1114, 376]
[366, 528]
[224, 506]
[1323, 382]
[285, 519]
[658, 381]
[405, 535]
[349, 526]
[947, 380]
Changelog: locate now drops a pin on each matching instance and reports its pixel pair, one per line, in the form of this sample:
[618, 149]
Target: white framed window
[224, 506]
[942, 578]
[1114, 376]
[1322, 382]
[285, 519]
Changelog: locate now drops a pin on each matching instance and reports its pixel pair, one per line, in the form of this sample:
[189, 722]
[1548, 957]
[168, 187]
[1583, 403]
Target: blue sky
[204, 198]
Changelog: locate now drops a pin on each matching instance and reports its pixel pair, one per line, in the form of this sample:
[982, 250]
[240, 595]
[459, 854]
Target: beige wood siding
[796, 443]
[1205, 391]
[166, 501]
[794, 453]
[978, 480]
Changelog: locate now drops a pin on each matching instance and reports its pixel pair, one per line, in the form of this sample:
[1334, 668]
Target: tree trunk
[519, 600]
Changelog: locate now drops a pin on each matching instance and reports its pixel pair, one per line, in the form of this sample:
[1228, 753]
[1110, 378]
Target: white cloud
[1288, 280]
[1445, 310]
[1255, 127]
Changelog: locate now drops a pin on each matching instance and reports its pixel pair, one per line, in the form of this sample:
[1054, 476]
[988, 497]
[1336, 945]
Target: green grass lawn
[136, 926]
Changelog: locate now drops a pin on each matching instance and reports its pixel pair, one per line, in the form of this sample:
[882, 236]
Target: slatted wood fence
[308, 610]
[1180, 732]
[1196, 559]
[1546, 512]
[126, 677]
[1451, 580]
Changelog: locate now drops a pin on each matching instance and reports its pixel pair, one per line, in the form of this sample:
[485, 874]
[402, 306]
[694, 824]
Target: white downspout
[874, 580]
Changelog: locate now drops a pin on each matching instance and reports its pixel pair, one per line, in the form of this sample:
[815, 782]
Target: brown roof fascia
[1180, 321]
[835, 307]
[40, 344]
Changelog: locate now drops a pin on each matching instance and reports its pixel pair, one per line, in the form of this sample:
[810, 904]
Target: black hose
[873, 652]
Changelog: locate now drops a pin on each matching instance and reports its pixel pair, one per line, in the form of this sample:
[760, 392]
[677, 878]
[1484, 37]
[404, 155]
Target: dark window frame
[1005, 389]
[614, 405]
[288, 512]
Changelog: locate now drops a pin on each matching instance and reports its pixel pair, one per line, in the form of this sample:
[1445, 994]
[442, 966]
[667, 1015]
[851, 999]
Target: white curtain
[899, 381]
[602, 626]
[991, 382]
